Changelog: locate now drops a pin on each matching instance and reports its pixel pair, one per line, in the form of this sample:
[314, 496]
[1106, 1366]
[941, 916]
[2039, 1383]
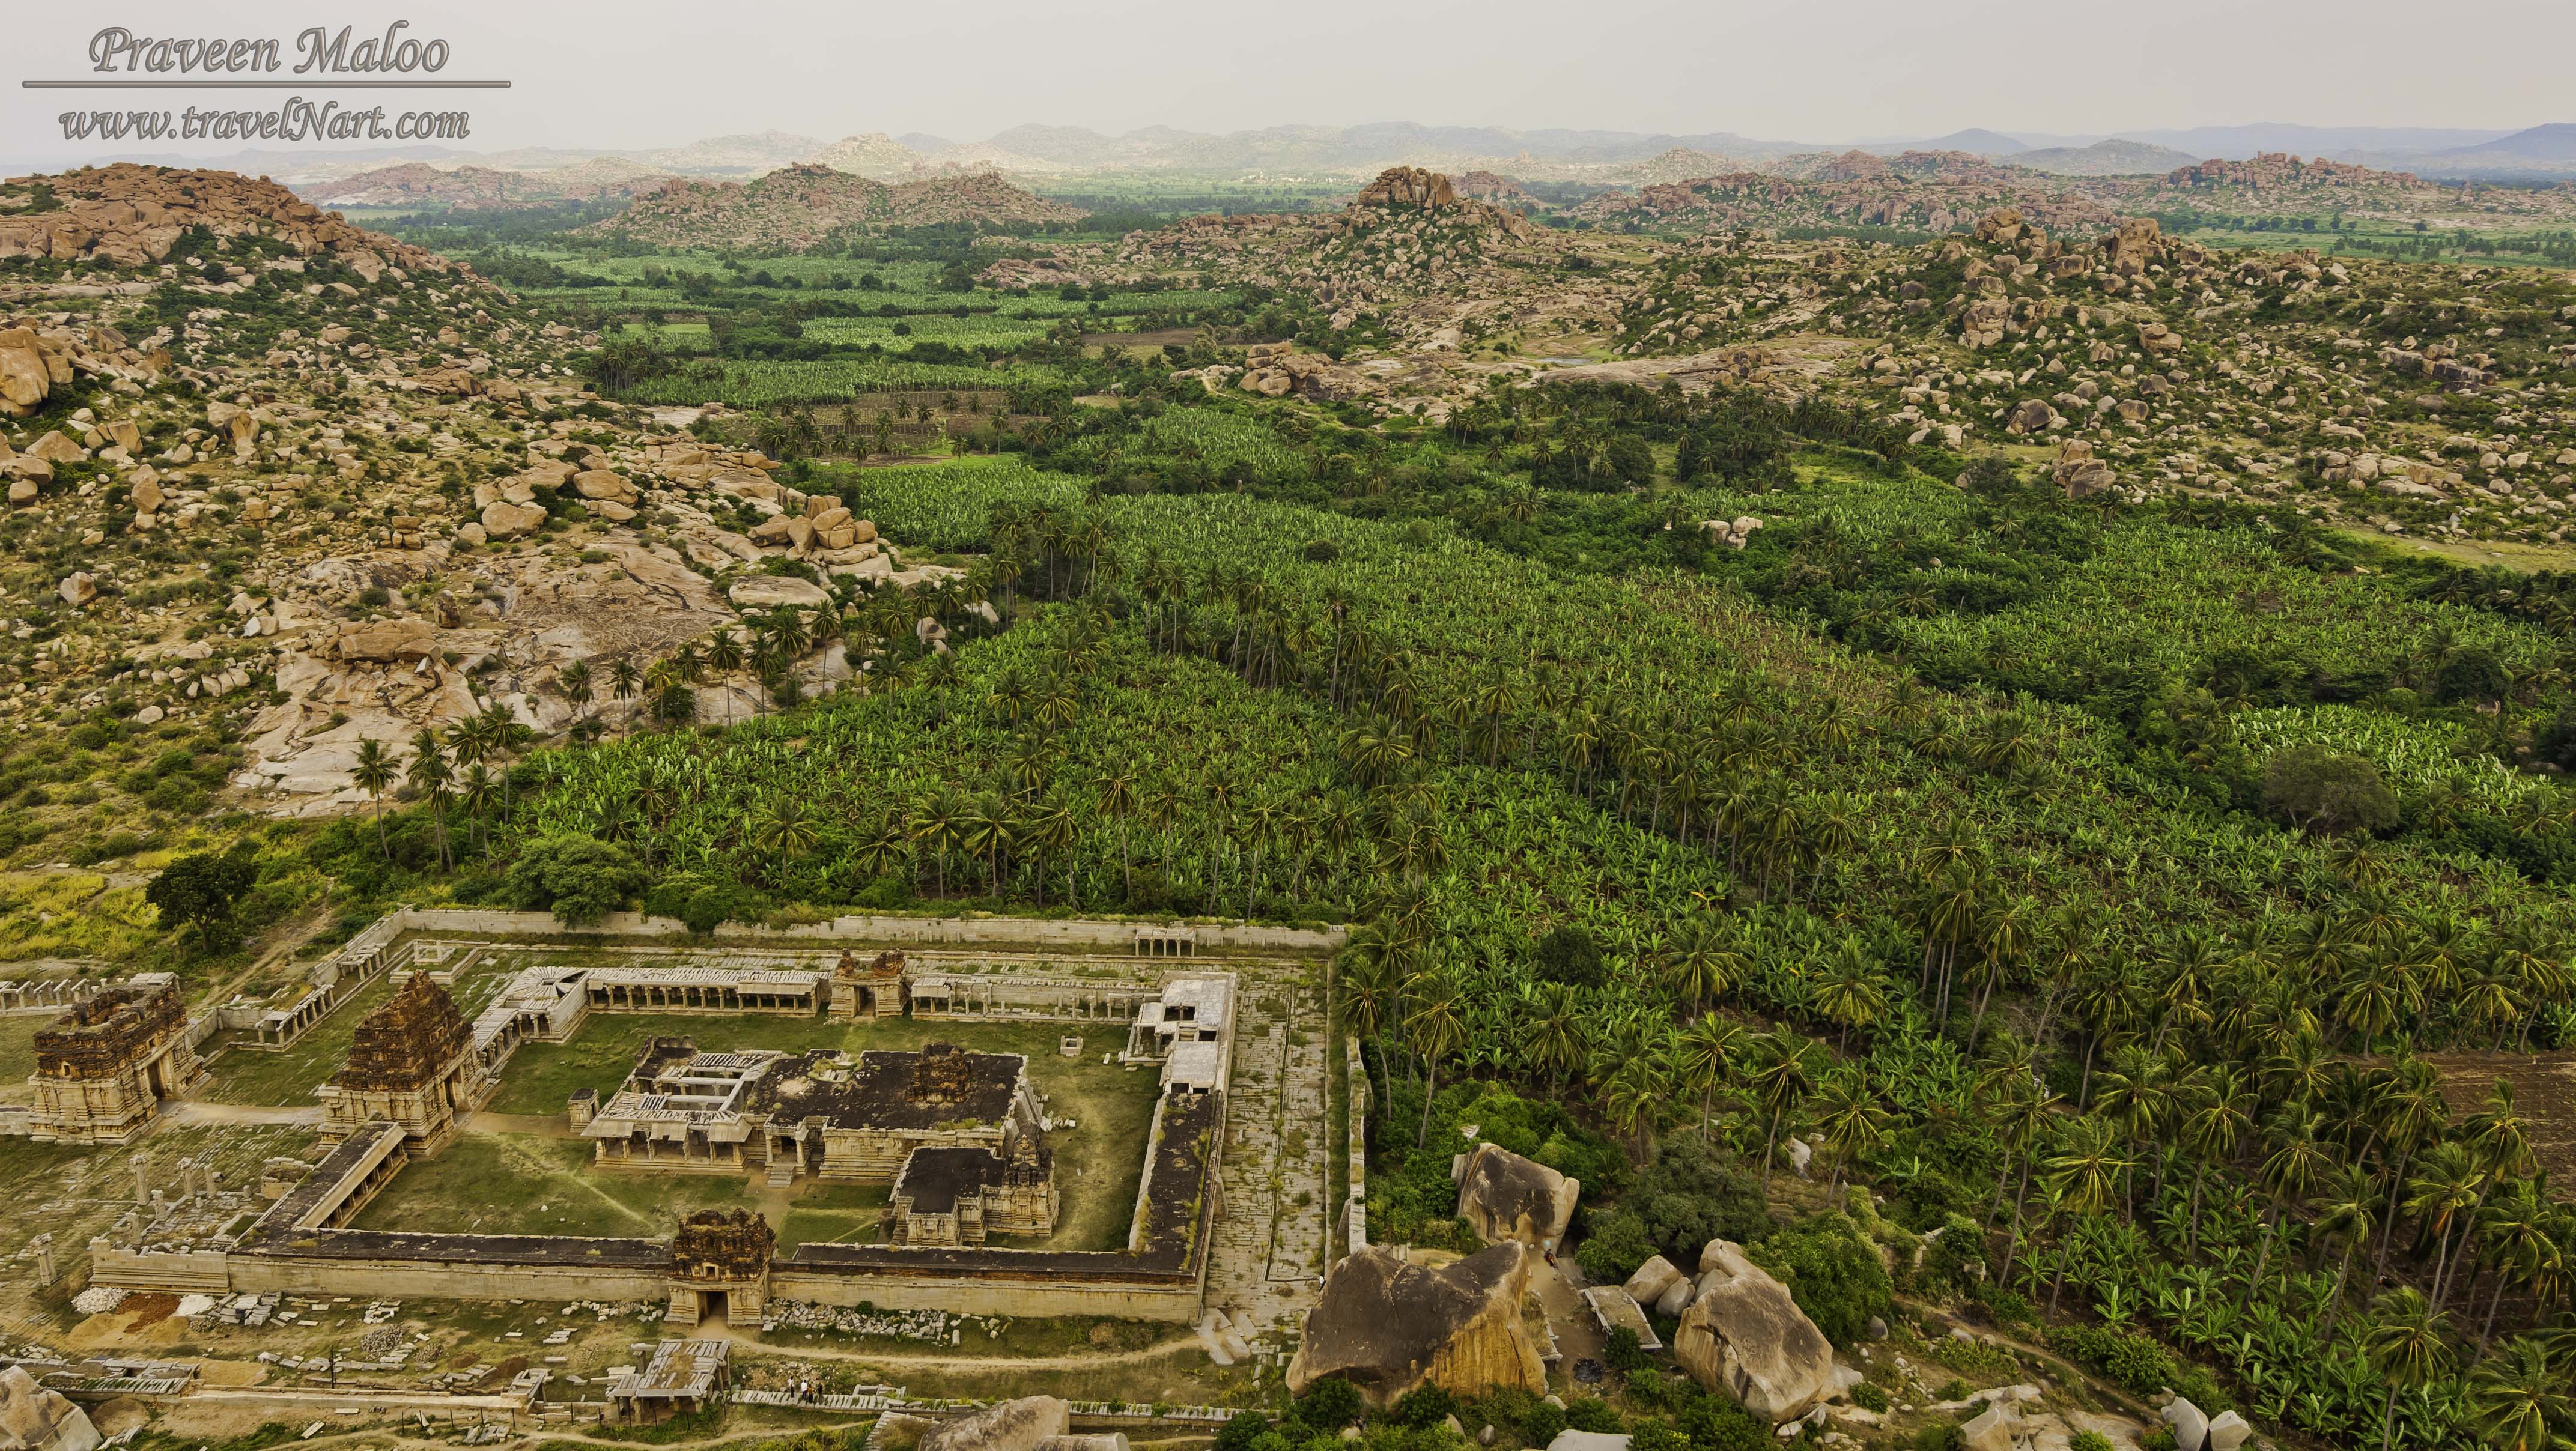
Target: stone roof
[100, 1037]
[407, 1043]
[719, 1243]
[884, 1089]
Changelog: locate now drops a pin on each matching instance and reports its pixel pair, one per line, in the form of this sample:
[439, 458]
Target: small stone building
[880, 988]
[720, 1267]
[103, 1068]
[677, 1378]
[411, 1063]
[958, 1196]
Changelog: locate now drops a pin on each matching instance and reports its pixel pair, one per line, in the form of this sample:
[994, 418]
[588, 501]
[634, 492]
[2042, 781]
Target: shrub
[1832, 1271]
[2327, 791]
[1329, 1403]
[1688, 1196]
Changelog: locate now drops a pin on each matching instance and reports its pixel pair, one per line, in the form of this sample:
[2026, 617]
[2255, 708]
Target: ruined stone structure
[411, 1065]
[878, 988]
[720, 1266]
[103, 1068]
[837, 1117]
[958, 1196]
[958, 1136]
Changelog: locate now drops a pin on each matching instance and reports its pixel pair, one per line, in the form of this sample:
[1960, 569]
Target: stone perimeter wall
[997, 931]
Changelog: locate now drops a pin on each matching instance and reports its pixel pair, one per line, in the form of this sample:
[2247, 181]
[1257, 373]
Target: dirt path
[197, 1111]
[533, 1125]
[921, 1361]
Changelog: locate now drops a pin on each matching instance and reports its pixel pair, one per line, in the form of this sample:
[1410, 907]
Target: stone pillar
[44, 1247]
[142, 1181]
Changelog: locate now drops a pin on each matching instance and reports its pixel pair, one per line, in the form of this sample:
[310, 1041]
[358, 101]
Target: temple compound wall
[957, 1135]
[103, 1068]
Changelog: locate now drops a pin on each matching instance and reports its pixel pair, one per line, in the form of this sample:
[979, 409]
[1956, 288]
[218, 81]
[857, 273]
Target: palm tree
[2218, 1112]
[625, 680]
[1118, 803]
[1046, 831]
[1850, 993]
[724, 657]
[2299, 1159]
[788, 828]
[1783, 1072]
[1710, 1049]
[1557, 1044]
[2518, 1399]
[1849, 1117]
[429, 775]
[2444, 1193]
[478, 790]
[2348, 1210]
[575, 684]
[938, 824]
[375, 774]
[1700, 967]
[1433, 1028]
[2408, 1343]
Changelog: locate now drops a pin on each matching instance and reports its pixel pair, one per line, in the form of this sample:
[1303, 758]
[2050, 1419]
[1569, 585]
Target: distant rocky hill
[874, 155]
[391, 466]
[133, 216]
[799, 207]
[418, 184]
[2104, 158]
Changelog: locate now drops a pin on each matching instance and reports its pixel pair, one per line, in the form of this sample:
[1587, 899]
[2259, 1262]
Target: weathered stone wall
[999, 931]
[205, 1271]
[1176, 1303]
[455, 1280]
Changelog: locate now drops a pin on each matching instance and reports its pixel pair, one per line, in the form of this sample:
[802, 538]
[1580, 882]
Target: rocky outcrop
[132, 216]
[1742, 1335]
[2078, 473]
[1408, 186]
[1020, 1425]
[2138, 243]
[799, 207]
[1388, 1325]
[1504, 1196]
[35, 1419]
[40, 358]
[1411, 187]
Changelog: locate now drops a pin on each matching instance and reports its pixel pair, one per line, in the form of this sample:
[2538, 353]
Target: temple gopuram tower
[103, 1068]
[412, 1063]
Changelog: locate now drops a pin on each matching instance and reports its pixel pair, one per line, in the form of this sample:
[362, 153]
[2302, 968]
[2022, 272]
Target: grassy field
[72, 914]
[522, 1184]
[18, 1055]
[287, 1079]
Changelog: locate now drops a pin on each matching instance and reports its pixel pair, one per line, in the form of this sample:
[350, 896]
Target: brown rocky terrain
[302, 486]
[2422, 399]
[416, 184]
[799, 207]
[127, 216]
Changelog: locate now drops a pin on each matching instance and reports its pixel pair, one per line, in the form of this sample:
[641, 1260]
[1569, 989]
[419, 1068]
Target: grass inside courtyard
[18, 1055]
[524, 1184]
[513, 1183]
[287, 1079]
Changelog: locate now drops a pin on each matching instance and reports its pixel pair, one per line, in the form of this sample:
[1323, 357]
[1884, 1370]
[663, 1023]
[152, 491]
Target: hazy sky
[646, 73]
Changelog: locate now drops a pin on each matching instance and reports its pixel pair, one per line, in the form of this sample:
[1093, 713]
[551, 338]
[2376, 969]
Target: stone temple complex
[864, 1119]
[957, 1138]
[104, 1067]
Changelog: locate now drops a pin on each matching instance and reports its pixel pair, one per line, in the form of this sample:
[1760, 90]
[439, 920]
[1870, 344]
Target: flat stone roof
[877, 1090]
[936, 1178]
